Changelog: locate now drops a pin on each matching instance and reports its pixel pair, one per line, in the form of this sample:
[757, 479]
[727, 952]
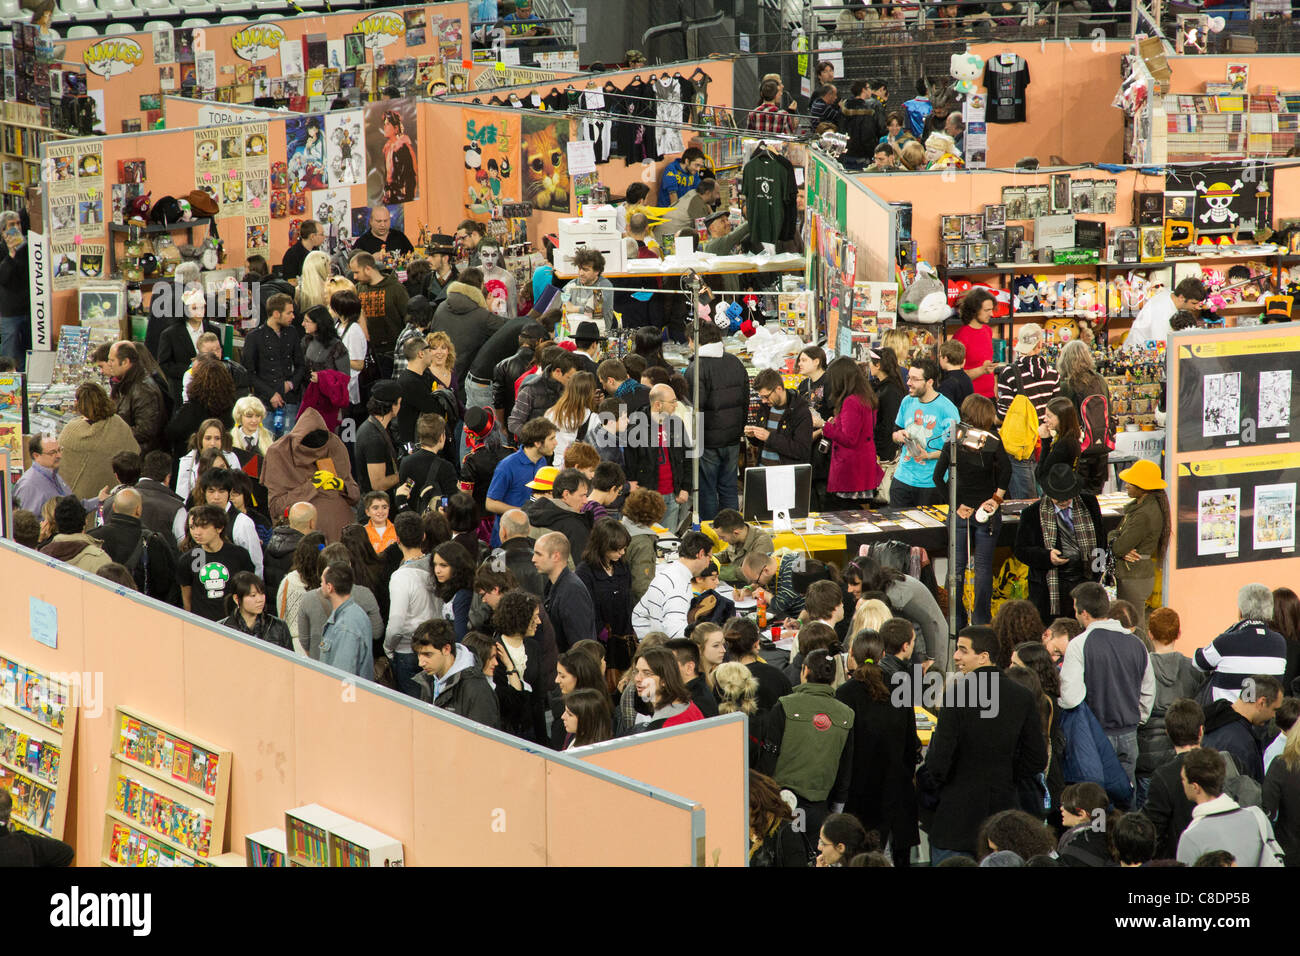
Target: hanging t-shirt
[767, 185]
[1006, 77]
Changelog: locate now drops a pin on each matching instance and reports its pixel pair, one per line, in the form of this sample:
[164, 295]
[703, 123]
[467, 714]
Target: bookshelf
[1216, 126]
[23, 128]
[266, 848]
[167, 796]
[37, 731]
[319, 837]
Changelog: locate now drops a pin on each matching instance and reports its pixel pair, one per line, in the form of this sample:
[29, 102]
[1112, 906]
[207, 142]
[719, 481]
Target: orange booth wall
[453, 793]
[1189, 74]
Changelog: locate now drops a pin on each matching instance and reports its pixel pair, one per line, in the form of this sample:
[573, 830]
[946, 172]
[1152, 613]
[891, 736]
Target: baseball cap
[386, 390]
[1029, 336]
[544, 480]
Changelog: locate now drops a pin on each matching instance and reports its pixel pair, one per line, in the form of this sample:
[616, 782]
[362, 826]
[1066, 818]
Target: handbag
[1108, 579]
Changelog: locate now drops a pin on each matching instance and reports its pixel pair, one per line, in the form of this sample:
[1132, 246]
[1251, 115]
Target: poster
[392, 152]
[1218, 520]
[257, 234]
[163, 51]
[1237, 391]
[11, 415]
[415, 27]
[332, 208]
[975, 143]
[545, 166]
[75, 174]
[1236, 510]
[491, 161]
[354, 50]
[305, 147]
[291, 62]
[343, 160]
[1274, 519]
[1222, 405]
[1229, 196]
[449, 38]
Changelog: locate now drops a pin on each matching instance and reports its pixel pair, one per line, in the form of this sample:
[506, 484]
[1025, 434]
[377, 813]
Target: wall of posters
[1236, 510]
[75, 177]
[1237, 393]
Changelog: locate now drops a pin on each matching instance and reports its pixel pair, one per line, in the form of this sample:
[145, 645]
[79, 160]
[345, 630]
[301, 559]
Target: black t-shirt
[395, 242]
[373, 446]
[208, 575]
[434, 477]
[31, 850]
[1005, 83]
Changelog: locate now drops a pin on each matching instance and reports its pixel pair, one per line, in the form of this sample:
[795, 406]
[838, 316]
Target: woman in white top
[312, 289]
[574, 414]
[211, 434]
[302, 577]
[346, 308]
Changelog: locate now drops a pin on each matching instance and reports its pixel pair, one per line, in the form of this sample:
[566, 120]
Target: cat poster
[544, 163]
[491, 161]
[391, 152]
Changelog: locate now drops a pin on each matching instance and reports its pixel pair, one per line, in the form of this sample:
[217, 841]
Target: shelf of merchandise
[317, 837]
[266, 848]
[203, 800]
[40, 714]
[123, 231]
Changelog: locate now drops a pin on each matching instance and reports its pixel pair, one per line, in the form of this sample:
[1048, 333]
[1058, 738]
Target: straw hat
[544, 480]
[1144, 474]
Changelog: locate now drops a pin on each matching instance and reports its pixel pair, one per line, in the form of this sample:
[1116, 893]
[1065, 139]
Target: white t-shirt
[564, 437]
[187, 474]
[1152, 322]
[355, 340]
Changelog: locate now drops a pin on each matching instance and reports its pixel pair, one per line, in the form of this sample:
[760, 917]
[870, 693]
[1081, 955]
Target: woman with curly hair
[211, 394]
[91, 440]
[735, 688]
[211, 434]
[517, 678]
[1014, 831]
[1015, 623]
[773, 840]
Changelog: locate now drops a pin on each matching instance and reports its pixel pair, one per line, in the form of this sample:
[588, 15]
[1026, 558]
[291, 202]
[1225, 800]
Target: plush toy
[966, 69]
[1001, 299]
[1060, 329]
[956, 289]
[1025, 290]
[925, 286]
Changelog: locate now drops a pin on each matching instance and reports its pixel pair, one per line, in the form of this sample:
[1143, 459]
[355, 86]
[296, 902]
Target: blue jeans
[1023, 483]
[984, 539]
[405, 667]
[673, 511]
[718, 488]
[13, 335]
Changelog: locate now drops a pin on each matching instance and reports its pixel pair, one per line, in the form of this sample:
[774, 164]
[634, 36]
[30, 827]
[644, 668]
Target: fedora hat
[1144, 474]
[202, 203]
[1061, 483]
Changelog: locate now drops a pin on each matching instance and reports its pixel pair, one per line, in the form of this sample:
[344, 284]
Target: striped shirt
[1243, 650]
[770, 118]
[769, 457]
[664, 605]
[1039, 380]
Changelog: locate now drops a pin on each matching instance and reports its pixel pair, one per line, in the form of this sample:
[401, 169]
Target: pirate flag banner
[1230, 197]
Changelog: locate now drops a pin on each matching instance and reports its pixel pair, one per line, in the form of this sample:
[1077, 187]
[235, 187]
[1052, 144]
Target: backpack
[1019, 432]
[1241, 787]
[139, 558]
[1094, 416]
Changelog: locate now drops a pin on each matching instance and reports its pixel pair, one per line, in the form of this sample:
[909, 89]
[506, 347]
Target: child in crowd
[379, 529]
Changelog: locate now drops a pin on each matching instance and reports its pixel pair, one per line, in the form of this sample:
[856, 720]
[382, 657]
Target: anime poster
[305, 140]
[1274, 516]
[1275, 398]
[1222, 409]
[343, 158]
[545, 165]
[332, 208]
[354, 49]
[491, 148]
[1218, 519]
[391, 152]
[449, 39]
[257, 234]
[1230, 197]
[415, 27]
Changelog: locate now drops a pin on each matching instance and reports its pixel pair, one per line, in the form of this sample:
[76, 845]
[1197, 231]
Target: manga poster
[391, 152]
[491, 152]
[305, 141]
[344, 160]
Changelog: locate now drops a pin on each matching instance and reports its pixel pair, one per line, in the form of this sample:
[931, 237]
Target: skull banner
[1229, 196]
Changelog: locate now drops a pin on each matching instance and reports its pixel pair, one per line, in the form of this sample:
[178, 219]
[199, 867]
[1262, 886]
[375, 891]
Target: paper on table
[582, 156]
[780, 487]
[684, 246]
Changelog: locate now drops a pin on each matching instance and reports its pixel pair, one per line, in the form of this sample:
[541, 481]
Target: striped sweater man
[1247, 648]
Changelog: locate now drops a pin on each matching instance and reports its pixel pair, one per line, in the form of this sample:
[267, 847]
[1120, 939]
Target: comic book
[49, 767]
[120, 790]
[198, 768]
[33, 755]
[210, 782]
[182, 754]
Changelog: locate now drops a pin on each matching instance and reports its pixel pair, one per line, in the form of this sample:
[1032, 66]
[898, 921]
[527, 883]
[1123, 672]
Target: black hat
[317, 438]
[419, 311]
[721, 213]
[533, 331]
[476, 419]
[441, 244]
[587, 332]
[1061, 483]
[386, 390]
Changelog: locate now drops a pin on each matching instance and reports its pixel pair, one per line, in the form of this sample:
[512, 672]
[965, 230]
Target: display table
[723, 269]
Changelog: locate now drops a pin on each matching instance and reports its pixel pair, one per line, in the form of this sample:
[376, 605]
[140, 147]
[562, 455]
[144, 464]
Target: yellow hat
[1144, 474]
[544, 480]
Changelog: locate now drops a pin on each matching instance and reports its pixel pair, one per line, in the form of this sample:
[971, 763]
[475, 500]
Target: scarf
[476, 440]
[1084, 533]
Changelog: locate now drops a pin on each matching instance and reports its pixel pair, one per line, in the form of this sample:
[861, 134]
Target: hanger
[699, 71]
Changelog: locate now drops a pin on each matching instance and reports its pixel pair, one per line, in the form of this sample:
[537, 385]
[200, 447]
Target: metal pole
[954, 595]
[692, 282]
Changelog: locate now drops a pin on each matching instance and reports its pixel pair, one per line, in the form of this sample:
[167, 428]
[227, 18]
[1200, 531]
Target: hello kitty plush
[966, 69]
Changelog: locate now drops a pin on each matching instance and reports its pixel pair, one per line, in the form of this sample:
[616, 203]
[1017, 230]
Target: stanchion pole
[954, 595]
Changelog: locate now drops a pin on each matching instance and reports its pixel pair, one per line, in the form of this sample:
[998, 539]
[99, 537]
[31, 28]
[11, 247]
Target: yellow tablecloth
[809, 544]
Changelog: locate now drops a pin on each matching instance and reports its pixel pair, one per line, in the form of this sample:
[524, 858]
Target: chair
[196, 6]
[81, 31]
[271, 16]
[81, 10]
[196, 22]
[116, 29]
[116, 7]
[153, 26]
[157, 8]
[234, 19]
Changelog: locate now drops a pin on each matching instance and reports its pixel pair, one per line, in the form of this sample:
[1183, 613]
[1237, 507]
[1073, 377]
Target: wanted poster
[63, 216]
[64, 256]
[207, 151]
[92, 262]
[257, 234]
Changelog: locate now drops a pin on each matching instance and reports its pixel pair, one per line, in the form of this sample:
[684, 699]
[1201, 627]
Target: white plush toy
[966, 69]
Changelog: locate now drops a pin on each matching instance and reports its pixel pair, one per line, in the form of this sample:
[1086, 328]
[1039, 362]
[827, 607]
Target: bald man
[150, 557]
[653, 433]
[517, 552]
[277, 559]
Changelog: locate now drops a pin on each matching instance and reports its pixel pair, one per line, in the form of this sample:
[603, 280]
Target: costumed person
[311, 464]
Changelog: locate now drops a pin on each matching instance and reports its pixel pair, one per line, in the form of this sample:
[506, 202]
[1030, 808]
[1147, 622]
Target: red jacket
[853, 449]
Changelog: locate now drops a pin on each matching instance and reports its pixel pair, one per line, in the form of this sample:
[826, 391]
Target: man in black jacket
[310, 237]
[568, 602]
[159, 501]
[418, 390]
[1233, 725]
[15, 300]
[451, 677]
[149, 556]
[786, 437]
[140, 401]
[465, 318]
[616, 383]
[1062, 550]
[528, 334]
[262, 285]
[178, 344]
[517, 552]
[656, 436]
[1167, 806]
[724, 402]
[989, 736]
[863, 117]
[562, 511]
[277, 558]
[271, 358]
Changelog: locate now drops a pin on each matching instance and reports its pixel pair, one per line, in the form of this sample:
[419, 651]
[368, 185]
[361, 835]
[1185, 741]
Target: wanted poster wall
[1233, 510]
[1238, 393]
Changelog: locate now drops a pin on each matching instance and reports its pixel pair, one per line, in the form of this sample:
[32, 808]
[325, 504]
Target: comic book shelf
[1102, 272]
[167, 796]
[37, 732]
[319, 837]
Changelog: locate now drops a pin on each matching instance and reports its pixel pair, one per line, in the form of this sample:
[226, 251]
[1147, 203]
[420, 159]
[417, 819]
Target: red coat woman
[851, 430]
